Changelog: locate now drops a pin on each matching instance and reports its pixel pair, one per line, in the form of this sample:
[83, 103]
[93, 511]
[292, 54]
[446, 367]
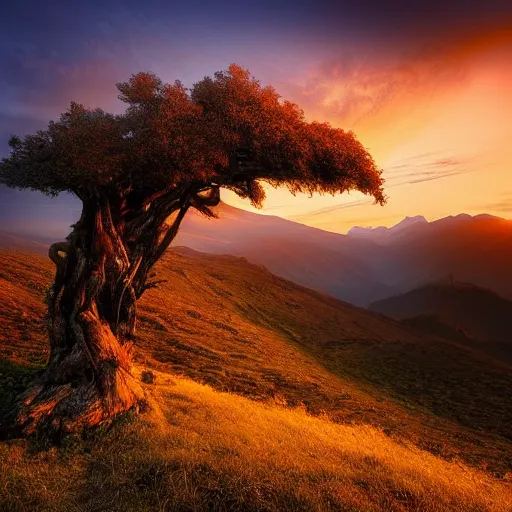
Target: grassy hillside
[417, 408]
[203, 450]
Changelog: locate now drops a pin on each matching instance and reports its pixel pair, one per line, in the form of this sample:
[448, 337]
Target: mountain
[383, 232]
[363, 269]
[469, 249]
[460, 311]
[478, 313]
[355, 269]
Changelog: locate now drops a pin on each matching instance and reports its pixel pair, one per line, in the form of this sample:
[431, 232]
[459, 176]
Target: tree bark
[101, 272]
[91, 318]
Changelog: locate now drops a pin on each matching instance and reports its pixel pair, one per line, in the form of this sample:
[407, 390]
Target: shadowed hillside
[460, 311]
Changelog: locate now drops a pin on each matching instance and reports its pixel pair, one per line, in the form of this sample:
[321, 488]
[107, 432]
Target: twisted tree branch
[53, 253]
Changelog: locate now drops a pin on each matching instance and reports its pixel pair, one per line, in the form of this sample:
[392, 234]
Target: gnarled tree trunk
[101, 272]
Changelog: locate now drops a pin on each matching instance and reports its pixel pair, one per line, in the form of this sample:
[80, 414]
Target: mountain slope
[363, 269]
[318, 259]
[359, 269]
[459, 311]
[478, 313]
[239, 328]
[329, 262]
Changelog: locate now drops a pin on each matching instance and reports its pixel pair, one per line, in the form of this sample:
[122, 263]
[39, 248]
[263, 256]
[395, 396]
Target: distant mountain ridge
[363, 269]
[318, 259]
[455, 310]
[360, 269]
[382, 230]
[479, 313]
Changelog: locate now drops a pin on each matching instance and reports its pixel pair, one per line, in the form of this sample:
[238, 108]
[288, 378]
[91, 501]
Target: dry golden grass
[363, 396]
[200, 449]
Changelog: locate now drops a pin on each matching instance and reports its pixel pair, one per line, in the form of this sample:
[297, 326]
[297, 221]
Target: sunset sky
[427, 89]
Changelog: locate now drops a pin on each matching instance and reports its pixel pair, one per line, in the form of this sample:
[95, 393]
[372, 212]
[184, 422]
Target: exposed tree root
[54, 410]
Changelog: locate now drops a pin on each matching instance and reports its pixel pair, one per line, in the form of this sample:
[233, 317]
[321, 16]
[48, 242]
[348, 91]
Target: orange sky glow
[438, 123]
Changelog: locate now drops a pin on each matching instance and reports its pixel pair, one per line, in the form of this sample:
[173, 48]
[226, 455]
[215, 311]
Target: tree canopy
[226, 131]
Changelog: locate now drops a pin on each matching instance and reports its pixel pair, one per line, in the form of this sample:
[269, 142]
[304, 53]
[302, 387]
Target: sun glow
[443, 115]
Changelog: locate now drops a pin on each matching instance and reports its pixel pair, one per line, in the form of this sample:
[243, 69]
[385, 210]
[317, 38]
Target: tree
[137, 174]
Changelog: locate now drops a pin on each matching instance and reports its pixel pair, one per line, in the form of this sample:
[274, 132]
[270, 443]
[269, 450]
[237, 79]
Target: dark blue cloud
[42, 43]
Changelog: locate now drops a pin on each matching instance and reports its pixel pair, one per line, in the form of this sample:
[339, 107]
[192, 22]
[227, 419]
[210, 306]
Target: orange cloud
[443, 112]
[386, 95]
